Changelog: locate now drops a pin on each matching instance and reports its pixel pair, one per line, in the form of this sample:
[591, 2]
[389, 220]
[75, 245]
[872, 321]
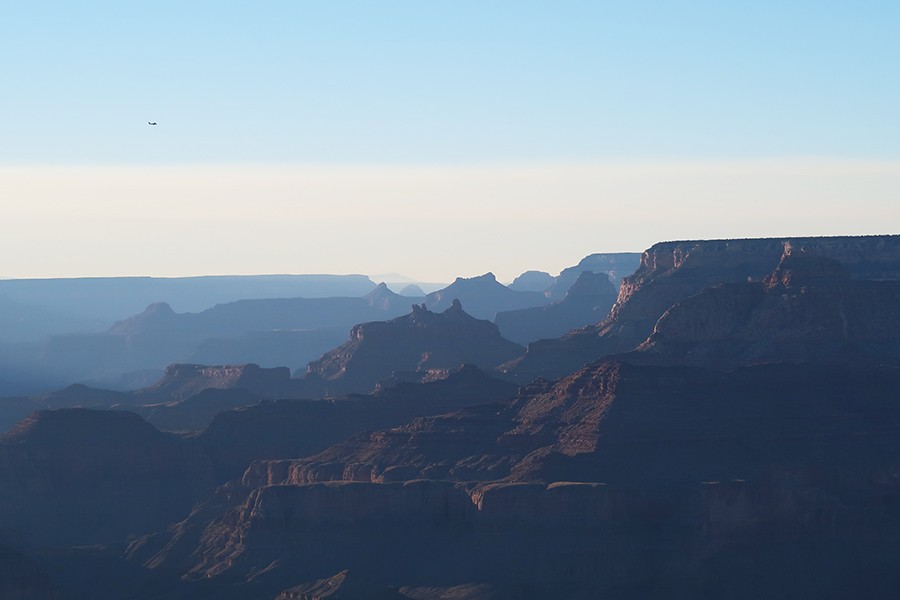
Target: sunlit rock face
[673, 271]
[808, 309]
[701, 468]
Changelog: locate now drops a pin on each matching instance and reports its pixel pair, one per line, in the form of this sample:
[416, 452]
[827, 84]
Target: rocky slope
[623, 423]
[78, 476]
[694, 480]
[293, 428]
[747, 448]
[807, 310]
[185, 398]
[183, 381]
[673, 271]
[419, 342]
[616, 265]
[532, 281]
[195, 412]
[587, 301]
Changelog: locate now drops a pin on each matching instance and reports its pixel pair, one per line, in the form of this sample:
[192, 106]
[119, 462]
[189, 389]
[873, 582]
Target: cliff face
[655, 473]
[673, 271]
[418, 342]
[534, 540]
[293, 428]
[700, 472]
[616, 266]
[630, 424]
[807, 310]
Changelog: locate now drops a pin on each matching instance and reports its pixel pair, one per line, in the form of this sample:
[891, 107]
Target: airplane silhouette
[149, 123]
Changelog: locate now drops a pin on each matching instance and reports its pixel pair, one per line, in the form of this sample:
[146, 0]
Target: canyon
[729, 429]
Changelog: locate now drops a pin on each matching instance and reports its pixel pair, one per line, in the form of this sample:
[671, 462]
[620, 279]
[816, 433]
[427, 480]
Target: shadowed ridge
[384, 299]
[158, 314]
[78, 425]
[587, 301]
[483, 297]
[79, 476]
[418, 342]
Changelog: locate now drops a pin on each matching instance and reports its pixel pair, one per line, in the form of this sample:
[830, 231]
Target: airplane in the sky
[150, 123]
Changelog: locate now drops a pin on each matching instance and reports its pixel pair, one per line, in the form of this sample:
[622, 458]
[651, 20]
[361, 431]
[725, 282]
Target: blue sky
[443, 85]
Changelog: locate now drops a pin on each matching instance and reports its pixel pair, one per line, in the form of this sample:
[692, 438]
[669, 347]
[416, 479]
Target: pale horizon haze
[435, 140]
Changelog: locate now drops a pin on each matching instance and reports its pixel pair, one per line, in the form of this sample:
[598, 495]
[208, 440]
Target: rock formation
[742, 442]
[617, 266]
[673, 271]
[195, 412]
[420, 341]
[273, 331]
[587, 302]
[704, 471]
[183, 381]
[532, 281]
[294, 428]
[483, 297]
[412, 291]
[807, 310]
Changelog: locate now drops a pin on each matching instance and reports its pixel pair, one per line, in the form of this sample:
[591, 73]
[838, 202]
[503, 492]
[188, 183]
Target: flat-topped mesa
[721, 261]
[673, 271]
[184, 380]
[807, 310]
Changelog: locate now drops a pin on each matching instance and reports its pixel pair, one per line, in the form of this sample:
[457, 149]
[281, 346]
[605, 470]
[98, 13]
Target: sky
[435, 139]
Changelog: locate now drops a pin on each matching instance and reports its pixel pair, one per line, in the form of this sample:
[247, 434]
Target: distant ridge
[113, 298]
[417, 342]
[483, 297]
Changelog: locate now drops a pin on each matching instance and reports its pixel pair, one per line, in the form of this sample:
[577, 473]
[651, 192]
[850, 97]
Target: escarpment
[673, 271]
[731, 429]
